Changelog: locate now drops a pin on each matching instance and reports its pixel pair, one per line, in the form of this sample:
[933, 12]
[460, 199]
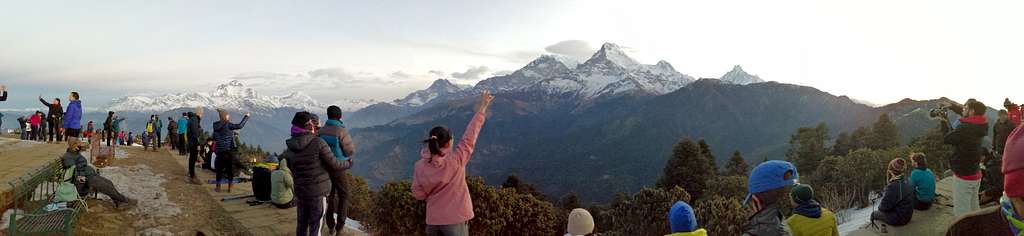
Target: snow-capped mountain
[608, 72]
[441, 88]
[232, 96]
[738, 76]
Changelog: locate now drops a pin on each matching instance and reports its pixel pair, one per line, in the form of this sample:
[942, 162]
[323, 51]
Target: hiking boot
[194, 181]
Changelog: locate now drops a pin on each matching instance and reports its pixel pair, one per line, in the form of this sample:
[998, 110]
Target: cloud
[437, 73]
[573, 48]
[501, 72]
[473, 73]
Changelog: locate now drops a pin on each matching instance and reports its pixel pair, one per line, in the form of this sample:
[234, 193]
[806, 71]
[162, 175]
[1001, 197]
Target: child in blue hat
[683, 222]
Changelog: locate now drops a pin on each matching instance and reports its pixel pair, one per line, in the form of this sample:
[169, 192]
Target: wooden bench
[32, 193]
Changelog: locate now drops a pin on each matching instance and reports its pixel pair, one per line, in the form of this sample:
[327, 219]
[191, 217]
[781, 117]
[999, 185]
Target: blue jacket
[182, 125]
[73, 117]
[224, 135]
[923, 181]
[336, 137]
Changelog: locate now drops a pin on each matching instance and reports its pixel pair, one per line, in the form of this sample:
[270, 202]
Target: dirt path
[155, 215]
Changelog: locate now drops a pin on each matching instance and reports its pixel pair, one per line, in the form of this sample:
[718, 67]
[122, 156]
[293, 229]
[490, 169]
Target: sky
[877, 51]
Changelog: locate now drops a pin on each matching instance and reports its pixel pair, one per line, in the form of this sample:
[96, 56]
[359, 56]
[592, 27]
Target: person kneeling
[897, 205]
[87, 178]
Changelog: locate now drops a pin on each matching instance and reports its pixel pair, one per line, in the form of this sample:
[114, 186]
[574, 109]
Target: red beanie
[1013, 164]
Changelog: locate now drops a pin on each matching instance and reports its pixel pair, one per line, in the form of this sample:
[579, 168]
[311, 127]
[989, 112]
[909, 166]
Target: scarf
[296, 131]
[1016, 224]
[809, 209]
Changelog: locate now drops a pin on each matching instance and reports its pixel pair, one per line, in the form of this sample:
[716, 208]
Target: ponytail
[439, 139]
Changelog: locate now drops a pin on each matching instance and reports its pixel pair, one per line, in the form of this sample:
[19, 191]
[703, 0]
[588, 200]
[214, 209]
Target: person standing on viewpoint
[224, 135]
[52, 117]
[194, 130]
[439, 177]
[73, 117]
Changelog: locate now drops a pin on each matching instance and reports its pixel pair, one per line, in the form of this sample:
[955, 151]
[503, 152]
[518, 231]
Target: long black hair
[439, 138]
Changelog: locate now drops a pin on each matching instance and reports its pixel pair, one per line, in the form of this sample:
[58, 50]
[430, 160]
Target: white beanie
[580, 222]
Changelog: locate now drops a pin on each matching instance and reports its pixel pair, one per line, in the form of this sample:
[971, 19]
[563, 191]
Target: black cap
[301, 119]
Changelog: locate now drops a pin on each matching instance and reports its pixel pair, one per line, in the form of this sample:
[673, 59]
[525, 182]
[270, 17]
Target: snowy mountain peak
[613, 53]
[234, 89]
[440, 88]
[738, 76]
[232, 96]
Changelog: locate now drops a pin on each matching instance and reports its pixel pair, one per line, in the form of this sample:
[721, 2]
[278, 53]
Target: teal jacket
[923, 181]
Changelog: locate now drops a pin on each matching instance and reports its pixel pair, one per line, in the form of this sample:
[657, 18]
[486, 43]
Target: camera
[938, 113]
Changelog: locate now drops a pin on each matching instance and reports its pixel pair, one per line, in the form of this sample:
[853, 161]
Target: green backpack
[67, 191]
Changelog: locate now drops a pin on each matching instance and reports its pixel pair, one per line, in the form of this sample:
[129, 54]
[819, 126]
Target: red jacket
[35, 119]
[1014, 113]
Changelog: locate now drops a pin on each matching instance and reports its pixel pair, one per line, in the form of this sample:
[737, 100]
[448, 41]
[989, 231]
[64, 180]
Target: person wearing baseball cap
[766, 186]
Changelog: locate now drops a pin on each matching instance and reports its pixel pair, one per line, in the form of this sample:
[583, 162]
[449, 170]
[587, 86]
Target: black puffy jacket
[967, 140]
[898, 202]
[312, 164]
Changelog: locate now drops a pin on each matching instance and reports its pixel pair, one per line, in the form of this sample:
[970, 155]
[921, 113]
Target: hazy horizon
[876, 51]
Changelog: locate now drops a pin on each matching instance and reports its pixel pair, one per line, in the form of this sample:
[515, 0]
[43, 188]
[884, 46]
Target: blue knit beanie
[681, 218]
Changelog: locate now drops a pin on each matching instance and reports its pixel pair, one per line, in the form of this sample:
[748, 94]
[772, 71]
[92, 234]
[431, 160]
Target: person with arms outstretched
[224, 136]
[439, 176]
[54, 115]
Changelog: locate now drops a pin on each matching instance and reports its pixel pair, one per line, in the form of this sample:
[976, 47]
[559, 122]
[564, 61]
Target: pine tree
[737, 166]
[860, 138]
[843, 145]
[807, 147]
[687, 168]
[705, 150]
[884, 134]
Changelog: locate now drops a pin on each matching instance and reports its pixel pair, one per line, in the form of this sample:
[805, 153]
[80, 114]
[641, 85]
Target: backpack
[66, 191]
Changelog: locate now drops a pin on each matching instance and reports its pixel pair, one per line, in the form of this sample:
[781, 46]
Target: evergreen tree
[807, 147]
[884, 134]
[705, 150]
[859, 138]
[843, 145]
[687, 168]
[737, 166]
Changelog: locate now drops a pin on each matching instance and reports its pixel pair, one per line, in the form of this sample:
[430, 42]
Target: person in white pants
[966, 159]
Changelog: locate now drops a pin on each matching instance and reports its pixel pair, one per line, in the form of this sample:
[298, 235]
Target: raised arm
[240, 124]
[467, 143]
[47, 104]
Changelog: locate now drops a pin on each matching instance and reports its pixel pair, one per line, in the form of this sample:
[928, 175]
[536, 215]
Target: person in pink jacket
[440, 176]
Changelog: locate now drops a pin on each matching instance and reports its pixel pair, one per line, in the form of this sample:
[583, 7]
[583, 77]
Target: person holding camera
[966, 138]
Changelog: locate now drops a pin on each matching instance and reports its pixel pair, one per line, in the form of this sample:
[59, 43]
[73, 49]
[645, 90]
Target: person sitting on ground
[897, 207]
[922, 180]
[281, 186]
[312, 163]
[967, 137]
[87, 178]
[581, 223]
[439, 176]
[810, 218]
[1008, 217]
[766, 185]
[992, 179]
[682, 221]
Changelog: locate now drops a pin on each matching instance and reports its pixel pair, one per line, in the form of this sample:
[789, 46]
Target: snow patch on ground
[353, 224]
[141, 184]
[857, 218]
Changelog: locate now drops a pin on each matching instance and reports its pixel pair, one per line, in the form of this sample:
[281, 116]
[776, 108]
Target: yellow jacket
[149, 127]
[698, 232]
[824, 225]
